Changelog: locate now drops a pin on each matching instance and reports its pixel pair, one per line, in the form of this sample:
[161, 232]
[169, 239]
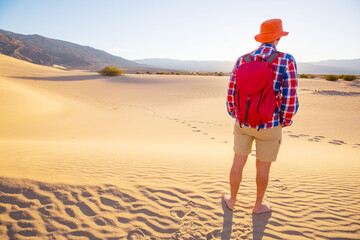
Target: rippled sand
[147, 157]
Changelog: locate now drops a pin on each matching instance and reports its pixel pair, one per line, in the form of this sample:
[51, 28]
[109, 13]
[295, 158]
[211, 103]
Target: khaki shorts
[267, 142]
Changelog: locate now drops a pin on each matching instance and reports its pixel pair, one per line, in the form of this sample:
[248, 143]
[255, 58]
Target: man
[267, 136]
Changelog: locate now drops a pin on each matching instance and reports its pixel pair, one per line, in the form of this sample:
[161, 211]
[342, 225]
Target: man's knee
[240, 159]
[263, 168]
[239, 162]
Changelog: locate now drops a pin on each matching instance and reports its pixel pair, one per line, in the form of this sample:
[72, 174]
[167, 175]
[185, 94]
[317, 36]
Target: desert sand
[83, 156]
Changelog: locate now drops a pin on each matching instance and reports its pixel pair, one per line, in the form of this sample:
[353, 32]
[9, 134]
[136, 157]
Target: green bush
[312, 76]
[303, 75]
[331, 77]
[138, 72]
[349, 77]
[112, 71]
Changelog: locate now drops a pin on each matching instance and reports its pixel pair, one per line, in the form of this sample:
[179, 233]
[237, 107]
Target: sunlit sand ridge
[84, 156]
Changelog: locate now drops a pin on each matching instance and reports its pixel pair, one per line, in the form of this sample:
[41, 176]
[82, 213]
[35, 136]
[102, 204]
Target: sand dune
[147, 157]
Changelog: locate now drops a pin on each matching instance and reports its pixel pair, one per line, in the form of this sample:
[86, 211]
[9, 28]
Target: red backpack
[255, 99]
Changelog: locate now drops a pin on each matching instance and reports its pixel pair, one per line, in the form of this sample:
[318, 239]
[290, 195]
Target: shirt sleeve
[230, 100]
[290, 101]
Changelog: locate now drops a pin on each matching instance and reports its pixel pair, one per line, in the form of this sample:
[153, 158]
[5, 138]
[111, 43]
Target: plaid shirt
[285, 85]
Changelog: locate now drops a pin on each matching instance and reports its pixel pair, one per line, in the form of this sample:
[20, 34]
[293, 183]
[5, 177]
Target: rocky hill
[46, 51]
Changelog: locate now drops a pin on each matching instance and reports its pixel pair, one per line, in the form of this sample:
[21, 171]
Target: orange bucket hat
[270, 30]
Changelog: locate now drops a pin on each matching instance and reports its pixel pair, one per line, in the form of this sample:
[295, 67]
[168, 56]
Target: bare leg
[235, 179]
[262, 179]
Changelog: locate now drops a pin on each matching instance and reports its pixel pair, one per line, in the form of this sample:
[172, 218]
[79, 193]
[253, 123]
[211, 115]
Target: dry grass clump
[112, 71]
[343, 77]
[349, 77]
[163, 73]
[331, 77]
[303, 75]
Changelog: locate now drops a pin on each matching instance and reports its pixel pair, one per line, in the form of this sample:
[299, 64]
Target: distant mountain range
[189, 65]
[46, 51]
[351, 66]
[323, 67]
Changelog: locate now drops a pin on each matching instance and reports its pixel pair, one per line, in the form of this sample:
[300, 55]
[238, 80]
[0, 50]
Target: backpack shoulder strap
[273, 56]
[247, 58]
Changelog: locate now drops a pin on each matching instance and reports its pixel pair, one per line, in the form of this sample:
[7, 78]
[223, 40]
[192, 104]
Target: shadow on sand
[96, 76]
[63, 78]
[259, 222]
[227, 223]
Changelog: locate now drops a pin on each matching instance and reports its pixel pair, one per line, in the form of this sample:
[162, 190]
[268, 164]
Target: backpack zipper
[248, 98]
[260, 100]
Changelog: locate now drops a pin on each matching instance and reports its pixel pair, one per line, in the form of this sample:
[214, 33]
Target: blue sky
[191, 29]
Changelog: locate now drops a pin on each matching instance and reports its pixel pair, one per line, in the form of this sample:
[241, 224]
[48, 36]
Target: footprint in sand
[337, 142]
[294, 136]
[138, 234]
[214, 234]
[304, 135]
[299, 135]
[279, 184]
[178, 212]
[316, 138]
[356, 145]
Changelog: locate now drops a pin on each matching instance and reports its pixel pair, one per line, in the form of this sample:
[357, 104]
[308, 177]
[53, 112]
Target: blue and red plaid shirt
[285, 85]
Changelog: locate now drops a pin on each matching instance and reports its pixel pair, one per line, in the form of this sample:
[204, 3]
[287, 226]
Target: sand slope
[147, 157]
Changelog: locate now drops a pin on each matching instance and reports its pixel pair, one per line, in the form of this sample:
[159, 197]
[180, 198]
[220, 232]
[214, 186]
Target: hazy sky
[191, 29]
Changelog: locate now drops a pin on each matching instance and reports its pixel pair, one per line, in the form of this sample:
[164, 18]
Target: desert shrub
[340, 76]
[111, 71]
[349, 77]
[162, 73]
[220, 74]
[303, 75]
[312, 76]
[178, 73]
[149, 72]
[331, 77]
[138, 72]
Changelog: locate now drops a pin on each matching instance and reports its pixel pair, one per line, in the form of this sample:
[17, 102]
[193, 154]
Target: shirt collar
[268, 45]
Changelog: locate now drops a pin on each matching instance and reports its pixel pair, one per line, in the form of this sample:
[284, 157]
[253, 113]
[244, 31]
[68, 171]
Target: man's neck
[269, 45]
